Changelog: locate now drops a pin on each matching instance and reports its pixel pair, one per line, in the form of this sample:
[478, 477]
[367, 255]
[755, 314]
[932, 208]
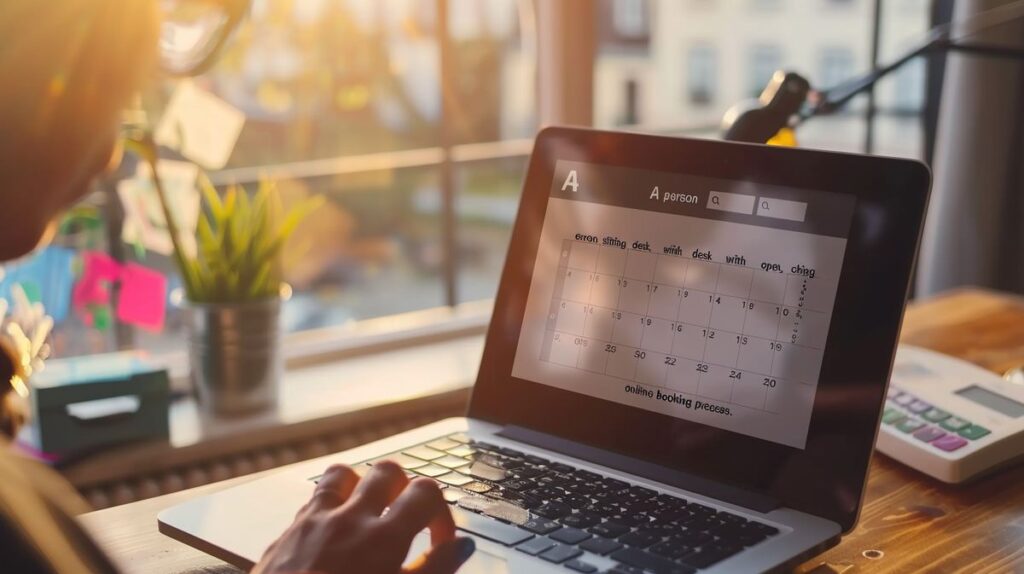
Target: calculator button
[974, 432]
[904, 399]
[928, 434]
[891, 416]
[954, 424]
[949, 443]
[918, 407]
[934, 415]
[909, 425]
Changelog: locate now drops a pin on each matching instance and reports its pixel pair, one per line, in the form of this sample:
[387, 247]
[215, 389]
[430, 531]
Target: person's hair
[67, 65]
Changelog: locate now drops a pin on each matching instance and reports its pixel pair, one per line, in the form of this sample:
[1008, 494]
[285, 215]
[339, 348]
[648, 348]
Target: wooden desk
[909, 522]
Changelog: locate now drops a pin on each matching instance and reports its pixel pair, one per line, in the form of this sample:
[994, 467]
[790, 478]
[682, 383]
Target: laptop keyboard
[557, 512]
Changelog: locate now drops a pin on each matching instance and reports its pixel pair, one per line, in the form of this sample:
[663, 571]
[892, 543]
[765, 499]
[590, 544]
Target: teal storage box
[83, 403]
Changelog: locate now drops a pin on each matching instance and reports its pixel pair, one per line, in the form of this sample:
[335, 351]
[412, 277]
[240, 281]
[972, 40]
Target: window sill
[379, 389]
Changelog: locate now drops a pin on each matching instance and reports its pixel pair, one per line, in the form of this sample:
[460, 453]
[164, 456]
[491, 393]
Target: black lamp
[788, 100]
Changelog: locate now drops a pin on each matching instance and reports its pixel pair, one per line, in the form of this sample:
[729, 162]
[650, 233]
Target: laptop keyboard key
[431, 470]
[527, 472]
[639, 538]
[560, 553]
[599, 545]
[451, 461]
[539, 525]
[640, 559]
[581, 520]
[641, 492]
[623, 569]
[576, 501]
[610, 529]
[454, 479]
[693, 538]
[402, 460]
[484, 471]
[536, 545]
[615, 485]
[629, 519]
[452, 495]
[562, 468]
[581, 566]
[477, 487]
[462, 450]
[670, 549]
[459, 437]
[443, 444]
[570, 535]
[423, 452]
[489, 528]
[553, 510]
[767, 530]
[536, 460]
[518, 485]
[710, 555]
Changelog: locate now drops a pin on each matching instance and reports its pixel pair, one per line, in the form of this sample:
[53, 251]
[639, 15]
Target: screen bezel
[827, 477]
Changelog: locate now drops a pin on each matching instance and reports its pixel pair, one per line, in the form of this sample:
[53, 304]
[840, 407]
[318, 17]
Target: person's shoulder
[38, 532]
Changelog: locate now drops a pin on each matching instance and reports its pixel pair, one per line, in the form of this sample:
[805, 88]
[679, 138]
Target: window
[343, 99]
[703, 59]
[701, 73]
[764, 61]
[908, 93]
[629, 17]
[836, 67]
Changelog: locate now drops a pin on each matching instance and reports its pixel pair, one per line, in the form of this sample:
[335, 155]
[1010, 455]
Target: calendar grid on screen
[724, 331]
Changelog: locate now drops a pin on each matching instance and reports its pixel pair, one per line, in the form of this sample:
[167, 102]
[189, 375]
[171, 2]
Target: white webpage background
[766, 325]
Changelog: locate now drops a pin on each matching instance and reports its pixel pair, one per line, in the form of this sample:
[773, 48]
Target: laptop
[685, 369]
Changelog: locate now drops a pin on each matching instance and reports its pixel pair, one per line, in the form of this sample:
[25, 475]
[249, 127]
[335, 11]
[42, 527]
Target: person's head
[68, 67]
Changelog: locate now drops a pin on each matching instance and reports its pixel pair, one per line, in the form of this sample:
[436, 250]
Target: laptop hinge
[663, 474]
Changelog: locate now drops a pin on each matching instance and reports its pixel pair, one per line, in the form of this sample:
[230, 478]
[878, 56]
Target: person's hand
[341, 528]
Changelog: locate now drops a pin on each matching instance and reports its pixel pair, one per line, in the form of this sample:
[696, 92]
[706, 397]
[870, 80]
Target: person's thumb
[444, 558]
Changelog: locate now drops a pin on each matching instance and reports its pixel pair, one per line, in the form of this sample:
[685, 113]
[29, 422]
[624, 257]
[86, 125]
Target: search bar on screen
[781, 208]
[734, 202]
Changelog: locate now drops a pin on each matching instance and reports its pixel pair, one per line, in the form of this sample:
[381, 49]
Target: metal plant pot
[235, 355]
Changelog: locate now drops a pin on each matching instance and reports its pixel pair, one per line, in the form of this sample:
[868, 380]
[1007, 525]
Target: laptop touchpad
[482, 562]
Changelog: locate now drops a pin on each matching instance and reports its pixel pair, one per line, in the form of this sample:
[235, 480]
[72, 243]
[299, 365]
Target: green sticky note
[32, 291]
[101, 318]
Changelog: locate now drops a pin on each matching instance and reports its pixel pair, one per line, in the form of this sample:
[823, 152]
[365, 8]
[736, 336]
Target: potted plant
[233, 290]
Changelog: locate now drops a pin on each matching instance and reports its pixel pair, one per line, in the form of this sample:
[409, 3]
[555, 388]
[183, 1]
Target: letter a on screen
[571, 181]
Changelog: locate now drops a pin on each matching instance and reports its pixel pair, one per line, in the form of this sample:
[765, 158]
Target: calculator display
[994, 401]
[701, 299]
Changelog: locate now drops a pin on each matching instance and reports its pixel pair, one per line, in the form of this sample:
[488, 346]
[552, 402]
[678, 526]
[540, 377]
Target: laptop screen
[720, 310]
[698, 298]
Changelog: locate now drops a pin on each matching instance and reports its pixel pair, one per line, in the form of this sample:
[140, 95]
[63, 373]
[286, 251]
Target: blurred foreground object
[194, 31]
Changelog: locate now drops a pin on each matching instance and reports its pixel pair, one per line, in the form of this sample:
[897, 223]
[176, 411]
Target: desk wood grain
[909, 522]
[913, 523]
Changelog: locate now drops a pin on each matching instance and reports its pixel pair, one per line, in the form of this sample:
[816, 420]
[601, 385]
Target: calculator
[949, 418]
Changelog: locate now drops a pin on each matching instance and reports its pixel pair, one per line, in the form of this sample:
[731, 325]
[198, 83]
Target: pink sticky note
[142, 300]
[98, 271]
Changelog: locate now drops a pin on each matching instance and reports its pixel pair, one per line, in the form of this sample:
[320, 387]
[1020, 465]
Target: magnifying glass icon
[715, 201]
[764, 206]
